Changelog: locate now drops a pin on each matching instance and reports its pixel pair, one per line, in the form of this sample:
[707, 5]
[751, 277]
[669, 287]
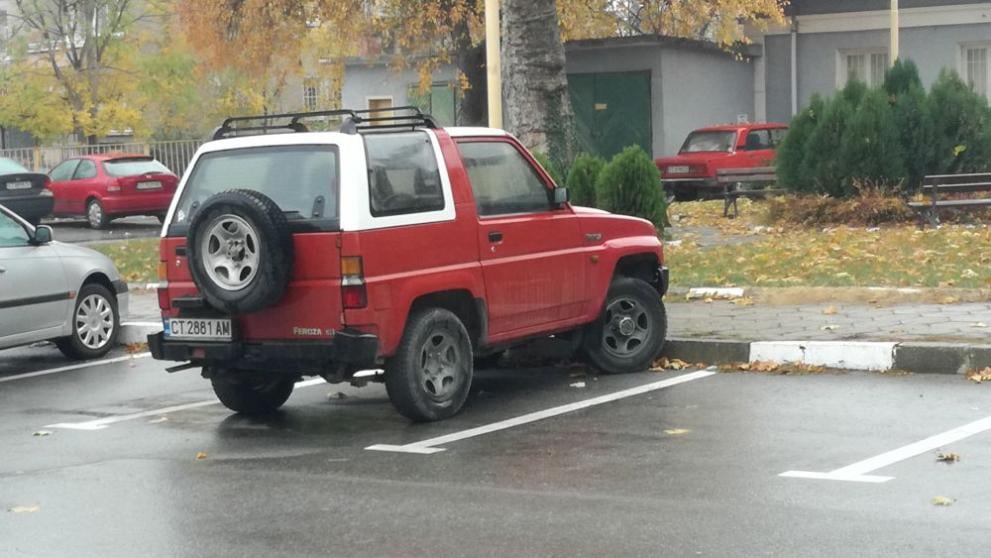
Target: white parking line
[858, 471]
[87, 364]
[427, 447]
[100, 424]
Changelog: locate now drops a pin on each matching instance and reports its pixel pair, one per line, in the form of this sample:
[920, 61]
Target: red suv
[103, 187]
[692, 172]
[392, 244]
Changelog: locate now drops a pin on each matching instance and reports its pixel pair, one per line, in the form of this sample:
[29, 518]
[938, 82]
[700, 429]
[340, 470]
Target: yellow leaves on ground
[943, 501]
[24, 509]
[676, 431]
[896, 256]
[201, 455]
[948, 457]
[830, 310]
[664, 363]
[978, 376]
[774, 368]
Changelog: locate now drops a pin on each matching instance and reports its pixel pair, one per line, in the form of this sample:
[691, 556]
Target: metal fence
[173, 154]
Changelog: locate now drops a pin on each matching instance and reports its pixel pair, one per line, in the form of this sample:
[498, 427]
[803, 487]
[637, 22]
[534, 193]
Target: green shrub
[822, 150]
[871, 148]
[961, 140]
[901, 77]
[630, 184]
[914, 124]
[549, 166]
[792, 173]
[582, 178]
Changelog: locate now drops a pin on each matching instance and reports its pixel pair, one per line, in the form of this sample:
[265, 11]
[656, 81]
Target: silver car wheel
[230, 252]
[627, 327]
[94, 322]
[94, 214]
[440, 366]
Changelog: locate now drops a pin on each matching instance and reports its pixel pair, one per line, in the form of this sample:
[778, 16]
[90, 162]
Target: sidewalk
[923, 338]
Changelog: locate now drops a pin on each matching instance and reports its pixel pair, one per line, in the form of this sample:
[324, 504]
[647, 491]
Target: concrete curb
[137, 332]
[878, 356]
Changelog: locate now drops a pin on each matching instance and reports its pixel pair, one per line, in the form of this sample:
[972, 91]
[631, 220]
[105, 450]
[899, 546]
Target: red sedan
[110, 185]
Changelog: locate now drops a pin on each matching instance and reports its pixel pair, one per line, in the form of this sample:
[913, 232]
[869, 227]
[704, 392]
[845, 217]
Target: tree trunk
[537, 106]
[473, 110]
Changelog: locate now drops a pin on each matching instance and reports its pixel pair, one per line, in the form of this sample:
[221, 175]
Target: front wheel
[630, 333]
[429, 377]
[251, 395]
[94, 324]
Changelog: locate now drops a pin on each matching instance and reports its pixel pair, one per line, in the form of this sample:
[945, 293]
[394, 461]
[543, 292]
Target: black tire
[250, 394]
[491, 360]
[686, 195]
[630, 333]
[423, 384]
[272, 250]
[96, 217]
[78, 346]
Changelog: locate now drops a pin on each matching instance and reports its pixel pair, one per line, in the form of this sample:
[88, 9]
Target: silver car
[71, 295]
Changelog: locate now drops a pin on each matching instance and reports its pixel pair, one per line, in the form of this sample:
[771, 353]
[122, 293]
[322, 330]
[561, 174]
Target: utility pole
[493, 63]
[893, 47]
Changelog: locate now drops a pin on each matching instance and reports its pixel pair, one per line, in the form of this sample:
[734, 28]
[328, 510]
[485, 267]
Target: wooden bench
[938, 184]
[750, 183]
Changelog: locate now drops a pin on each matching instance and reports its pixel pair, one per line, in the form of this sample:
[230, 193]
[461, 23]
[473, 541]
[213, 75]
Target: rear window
[9, 166]
[301, 179]
[708, 141]
[134, 167]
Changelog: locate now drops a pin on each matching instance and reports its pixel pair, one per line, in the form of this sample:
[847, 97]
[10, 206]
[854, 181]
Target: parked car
[692, 172]
[106, 186]
[24, 192]
[413, 248]
[69, 294]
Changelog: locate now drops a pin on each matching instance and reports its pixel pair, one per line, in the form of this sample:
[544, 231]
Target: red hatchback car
[110, 185]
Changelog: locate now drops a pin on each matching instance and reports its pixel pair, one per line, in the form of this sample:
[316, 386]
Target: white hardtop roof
[474, 131]
[292, 138]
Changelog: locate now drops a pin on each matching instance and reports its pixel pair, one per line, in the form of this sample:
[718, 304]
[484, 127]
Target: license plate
[20, 185]
[197, 328]
[678, 170]
[149, 185]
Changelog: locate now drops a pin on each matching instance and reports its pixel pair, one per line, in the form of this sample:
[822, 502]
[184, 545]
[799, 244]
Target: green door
[612, 111]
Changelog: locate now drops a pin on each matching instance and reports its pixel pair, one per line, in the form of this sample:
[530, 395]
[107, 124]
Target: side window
[86, 169]
[758, 139]
[12, 233]
[64, 170]
[402, 174]
[502, 180]
[777, 136]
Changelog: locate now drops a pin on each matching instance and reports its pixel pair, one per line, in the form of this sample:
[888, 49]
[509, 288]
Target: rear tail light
[164, 301]
[353, 293]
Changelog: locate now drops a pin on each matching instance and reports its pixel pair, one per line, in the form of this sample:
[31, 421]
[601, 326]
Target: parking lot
[75, 230]
[120, 458]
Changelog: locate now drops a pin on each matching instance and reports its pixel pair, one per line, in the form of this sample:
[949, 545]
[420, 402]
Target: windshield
[293, 176]
[133, 167]
[708, 141]
[9, 166]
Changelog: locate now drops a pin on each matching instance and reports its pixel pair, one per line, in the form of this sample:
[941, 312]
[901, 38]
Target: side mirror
[42, 234]
[560, 196]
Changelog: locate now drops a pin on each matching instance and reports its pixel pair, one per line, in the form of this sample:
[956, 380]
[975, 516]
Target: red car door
[529, 251]
[86, 183]
[61, 176]
[757, 148]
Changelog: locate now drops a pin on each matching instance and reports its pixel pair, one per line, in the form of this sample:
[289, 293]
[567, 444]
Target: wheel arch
[469, 309]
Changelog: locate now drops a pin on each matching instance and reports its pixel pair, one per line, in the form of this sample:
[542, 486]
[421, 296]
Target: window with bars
[311, 93]
[867, 66]
[975, 71]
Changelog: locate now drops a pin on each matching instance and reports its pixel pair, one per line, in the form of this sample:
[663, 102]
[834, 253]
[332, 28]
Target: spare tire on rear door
[240, 251]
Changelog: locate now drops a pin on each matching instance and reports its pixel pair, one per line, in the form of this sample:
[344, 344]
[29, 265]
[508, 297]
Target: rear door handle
[495, 236]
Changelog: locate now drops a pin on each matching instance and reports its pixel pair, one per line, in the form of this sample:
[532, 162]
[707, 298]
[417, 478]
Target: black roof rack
[398, 118]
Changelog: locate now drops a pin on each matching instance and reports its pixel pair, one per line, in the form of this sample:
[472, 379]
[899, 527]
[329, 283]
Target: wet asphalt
[602, 481]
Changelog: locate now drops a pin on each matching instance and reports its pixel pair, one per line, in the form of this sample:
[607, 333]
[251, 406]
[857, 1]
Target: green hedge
[891, 137]
[630, 184]
[582, 178]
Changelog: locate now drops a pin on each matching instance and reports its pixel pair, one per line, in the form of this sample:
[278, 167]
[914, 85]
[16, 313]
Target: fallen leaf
[830, 310]
[134, 348]
[948, 457]
[676, 431]
[943, 501]
[43, 433]
[665, 363]
[578, 385]
[200, 455]
[830, 327]
[158, 420]
[24, 509]
[978, 376]
[979, 324]
[743, 301]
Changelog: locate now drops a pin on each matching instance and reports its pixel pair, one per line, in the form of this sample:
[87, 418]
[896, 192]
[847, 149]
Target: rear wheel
[95, 323]
[96, 216]
[249, 394]
[630, 333]
[430, 375]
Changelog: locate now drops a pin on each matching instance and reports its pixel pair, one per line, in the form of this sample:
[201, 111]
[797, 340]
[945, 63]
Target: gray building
[650, 91]
[832, 41]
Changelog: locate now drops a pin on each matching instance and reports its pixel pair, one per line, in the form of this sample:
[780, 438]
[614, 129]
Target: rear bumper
[350, 349]
[29, 207]
[137, 204]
